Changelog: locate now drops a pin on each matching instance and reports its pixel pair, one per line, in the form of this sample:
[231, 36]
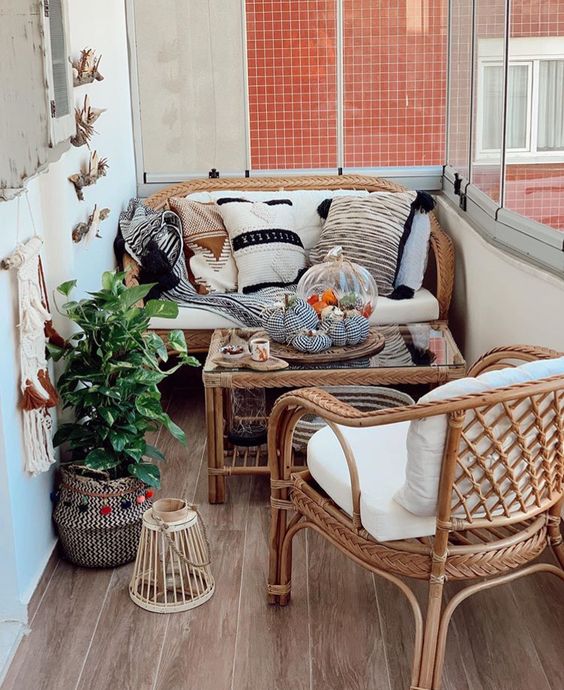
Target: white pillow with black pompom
[267, 250]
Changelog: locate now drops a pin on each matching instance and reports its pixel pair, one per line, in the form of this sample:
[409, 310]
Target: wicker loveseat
[439, 277]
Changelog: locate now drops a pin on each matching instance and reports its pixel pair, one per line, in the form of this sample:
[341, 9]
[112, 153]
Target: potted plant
[113, 366]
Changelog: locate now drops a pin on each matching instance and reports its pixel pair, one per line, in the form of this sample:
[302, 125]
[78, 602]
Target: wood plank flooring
[344, 629]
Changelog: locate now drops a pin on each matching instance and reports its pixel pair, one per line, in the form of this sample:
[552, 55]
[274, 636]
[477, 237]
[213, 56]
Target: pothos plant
[113, 368]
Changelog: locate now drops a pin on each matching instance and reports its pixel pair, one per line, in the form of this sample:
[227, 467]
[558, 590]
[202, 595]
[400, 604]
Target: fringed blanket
[139, 225]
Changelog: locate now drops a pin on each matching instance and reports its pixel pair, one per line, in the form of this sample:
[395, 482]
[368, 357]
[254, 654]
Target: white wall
[498, 299]
[27, 533]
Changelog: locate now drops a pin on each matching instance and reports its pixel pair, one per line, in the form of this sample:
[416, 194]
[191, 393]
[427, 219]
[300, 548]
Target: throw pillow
[426, 437]
[207, 246]
[373, 232]
[413, 264]
[267, 250]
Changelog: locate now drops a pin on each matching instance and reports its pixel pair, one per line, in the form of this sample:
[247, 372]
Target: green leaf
[108, 280]
[177, 341]
[156, 344]
[135, 450]
[65, 288]
[174, 429]
[150, 378]
[153, 452]
[106, 415]
[150, 406]
[63, 433]
[149, 474]
[163, 308]
[118, 440]
[55, 351]
[134, 294]
[100, 459]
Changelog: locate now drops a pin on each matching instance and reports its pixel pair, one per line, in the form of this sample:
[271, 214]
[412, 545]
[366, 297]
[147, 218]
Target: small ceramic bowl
[233, 351]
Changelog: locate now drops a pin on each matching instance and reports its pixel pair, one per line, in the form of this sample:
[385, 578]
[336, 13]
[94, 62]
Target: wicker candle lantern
[172, 570]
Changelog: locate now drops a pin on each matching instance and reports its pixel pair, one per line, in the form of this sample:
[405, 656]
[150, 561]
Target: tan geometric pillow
[207, 246]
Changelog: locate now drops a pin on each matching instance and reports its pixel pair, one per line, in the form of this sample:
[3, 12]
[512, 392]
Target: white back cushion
[426, 437]
[304, 202]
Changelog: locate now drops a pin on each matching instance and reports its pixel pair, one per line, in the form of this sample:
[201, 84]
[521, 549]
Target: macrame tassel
[43, 376]
[37, 439]
[52, 335]
[32, 399]
[38, 393]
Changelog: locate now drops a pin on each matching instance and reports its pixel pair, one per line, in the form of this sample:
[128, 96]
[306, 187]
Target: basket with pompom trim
[99, 519]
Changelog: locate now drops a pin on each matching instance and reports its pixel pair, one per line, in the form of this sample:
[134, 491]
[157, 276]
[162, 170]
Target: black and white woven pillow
[267, 250]
[373, 232]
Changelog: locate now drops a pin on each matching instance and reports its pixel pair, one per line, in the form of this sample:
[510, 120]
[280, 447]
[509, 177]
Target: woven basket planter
[363, 398]
[99, 519]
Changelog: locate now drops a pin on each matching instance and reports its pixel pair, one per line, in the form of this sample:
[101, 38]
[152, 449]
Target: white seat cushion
[380, 454]
[422, 307]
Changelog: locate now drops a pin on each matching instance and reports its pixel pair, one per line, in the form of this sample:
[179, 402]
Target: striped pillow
[267, 250]
[372, 232]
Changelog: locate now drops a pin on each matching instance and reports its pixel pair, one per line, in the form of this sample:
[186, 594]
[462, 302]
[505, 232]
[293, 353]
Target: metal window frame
[61, 127]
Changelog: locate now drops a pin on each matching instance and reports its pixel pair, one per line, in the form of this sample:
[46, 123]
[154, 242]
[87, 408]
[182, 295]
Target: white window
[535, 102]
[58, 70]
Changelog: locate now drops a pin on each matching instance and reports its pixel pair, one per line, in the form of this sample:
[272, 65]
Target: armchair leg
[554, 533]
[279, 578]
[430, 638]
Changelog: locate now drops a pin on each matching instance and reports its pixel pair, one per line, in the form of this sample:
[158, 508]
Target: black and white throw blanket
[140, 224]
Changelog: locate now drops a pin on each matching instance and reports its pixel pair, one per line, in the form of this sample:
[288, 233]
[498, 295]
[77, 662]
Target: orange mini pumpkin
[330, 298]
[319, 307]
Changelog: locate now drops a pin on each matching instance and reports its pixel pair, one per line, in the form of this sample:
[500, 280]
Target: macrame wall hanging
[38, 393]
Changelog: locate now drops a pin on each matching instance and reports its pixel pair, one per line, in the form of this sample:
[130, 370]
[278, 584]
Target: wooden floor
[343, 630]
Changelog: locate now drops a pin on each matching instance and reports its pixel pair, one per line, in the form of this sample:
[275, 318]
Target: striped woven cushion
[371, 230]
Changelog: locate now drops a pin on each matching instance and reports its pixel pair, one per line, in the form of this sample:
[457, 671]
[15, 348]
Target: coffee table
[423, 353]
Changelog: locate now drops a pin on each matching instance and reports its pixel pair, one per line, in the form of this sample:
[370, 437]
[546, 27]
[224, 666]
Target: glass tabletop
[412, 345]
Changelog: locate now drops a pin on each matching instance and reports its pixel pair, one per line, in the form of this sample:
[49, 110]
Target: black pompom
[126, 504]
[323, 208]
[423, 202]
[156, 268]
[83, 507]
[119, 248]
[402, 292]
[419, 356]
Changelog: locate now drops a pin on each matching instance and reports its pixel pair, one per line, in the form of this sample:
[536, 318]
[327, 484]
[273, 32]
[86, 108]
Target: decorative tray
[246, 362]
[371, 346]
[242, 338]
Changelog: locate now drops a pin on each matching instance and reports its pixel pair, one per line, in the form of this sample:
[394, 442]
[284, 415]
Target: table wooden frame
[218, 382]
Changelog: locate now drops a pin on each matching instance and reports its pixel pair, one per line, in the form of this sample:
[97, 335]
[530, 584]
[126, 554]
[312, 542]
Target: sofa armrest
[510, 355]
[131, 268]
[443, 250]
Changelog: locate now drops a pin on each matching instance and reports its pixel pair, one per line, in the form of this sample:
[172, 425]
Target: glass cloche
[337, 282]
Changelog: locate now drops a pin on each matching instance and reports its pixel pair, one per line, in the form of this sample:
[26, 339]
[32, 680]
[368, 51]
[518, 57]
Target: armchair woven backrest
[504, 460]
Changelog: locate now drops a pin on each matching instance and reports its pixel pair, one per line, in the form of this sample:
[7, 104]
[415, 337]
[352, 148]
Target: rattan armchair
[486, 541]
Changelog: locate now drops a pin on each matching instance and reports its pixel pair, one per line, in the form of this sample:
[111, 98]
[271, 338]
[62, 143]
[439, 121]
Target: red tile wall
[291, 55]
[394, 79]
[394, 75]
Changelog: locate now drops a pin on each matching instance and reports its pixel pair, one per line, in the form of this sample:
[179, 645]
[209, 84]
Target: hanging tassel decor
[38, 393]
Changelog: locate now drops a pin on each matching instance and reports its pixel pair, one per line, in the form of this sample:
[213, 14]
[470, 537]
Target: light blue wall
[26, 533]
